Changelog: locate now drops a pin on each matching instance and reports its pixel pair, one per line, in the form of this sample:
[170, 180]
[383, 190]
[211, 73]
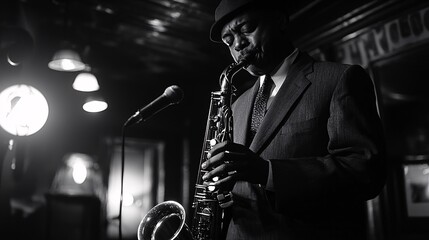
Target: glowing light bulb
[79, 172]
[67, 64]
[23, 110]
[95, 106]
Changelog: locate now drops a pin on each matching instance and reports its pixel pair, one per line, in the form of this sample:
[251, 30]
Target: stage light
[23, 110]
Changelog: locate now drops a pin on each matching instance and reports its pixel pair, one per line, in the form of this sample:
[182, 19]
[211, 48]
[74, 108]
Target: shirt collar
[280, 74]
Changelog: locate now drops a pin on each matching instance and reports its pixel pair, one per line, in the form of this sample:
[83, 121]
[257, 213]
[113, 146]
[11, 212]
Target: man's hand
[232, 162]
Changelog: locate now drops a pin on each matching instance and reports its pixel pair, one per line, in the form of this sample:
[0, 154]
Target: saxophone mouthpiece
[245, 60]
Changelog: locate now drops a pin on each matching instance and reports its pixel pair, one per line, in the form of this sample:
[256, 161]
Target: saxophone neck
[235, 67]
[228, 73]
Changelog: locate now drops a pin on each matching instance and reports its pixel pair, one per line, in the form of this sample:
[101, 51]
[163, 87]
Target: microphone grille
[174, 93]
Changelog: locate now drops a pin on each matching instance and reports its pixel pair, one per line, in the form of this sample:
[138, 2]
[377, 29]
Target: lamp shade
[23, 110]
[78, 175]
[86, 82]
[66, 60]
[95, 105]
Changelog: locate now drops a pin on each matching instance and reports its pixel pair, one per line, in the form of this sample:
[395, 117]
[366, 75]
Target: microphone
[171, 95]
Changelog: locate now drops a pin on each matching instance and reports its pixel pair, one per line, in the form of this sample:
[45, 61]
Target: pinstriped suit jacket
[323, 138]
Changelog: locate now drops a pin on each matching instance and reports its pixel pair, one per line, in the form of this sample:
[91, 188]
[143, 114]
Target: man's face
[257, 34]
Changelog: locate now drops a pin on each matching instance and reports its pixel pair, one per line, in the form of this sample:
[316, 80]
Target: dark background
[135, 60]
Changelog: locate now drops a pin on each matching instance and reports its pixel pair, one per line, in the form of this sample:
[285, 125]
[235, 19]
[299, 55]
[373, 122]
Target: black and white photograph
[214, 120]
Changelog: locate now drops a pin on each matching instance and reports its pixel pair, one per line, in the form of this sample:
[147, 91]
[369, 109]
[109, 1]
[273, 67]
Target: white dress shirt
[279, 75]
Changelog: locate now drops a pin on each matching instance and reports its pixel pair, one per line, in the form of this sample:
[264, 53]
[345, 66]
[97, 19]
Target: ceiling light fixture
[86, 82]
[79, 174]
[23, 110]
[18, 44]
[12, 62]
[94, 105]
[66, 60]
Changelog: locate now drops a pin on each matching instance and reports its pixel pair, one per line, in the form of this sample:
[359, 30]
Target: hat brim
[215, 31]
[216, 28]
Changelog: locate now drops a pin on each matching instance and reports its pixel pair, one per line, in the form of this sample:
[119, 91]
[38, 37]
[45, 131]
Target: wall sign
[384, 39]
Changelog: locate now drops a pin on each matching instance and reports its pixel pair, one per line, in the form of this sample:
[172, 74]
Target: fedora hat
[225, 11]
[228, 9]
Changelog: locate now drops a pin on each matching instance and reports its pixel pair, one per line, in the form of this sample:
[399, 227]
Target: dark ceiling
[136, 48]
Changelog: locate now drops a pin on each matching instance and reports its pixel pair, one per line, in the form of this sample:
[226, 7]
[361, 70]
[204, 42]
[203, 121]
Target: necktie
[260, 106]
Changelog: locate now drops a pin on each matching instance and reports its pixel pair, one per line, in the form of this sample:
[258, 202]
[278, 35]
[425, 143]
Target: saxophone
[167, 219]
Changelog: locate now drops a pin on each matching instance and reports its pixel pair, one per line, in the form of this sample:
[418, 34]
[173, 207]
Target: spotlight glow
[23, 110]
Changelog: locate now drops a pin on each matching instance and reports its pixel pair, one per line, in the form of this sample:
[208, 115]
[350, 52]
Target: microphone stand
[172, 95]
[122, 182]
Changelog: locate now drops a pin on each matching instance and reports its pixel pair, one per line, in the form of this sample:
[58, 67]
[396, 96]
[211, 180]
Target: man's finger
[220, 147]
[214, 161]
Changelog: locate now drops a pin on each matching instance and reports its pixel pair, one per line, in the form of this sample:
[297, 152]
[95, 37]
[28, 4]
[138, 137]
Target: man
[305, 171]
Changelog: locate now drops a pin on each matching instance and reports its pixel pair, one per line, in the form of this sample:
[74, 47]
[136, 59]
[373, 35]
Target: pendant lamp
[86, 82]
[95, 104]
[66, 60]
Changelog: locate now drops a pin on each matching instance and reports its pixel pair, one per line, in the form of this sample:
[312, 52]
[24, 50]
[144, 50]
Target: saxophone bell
[164, 221]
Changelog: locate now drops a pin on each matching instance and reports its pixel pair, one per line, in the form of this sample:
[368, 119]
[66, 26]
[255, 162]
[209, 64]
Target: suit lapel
[293, 87]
